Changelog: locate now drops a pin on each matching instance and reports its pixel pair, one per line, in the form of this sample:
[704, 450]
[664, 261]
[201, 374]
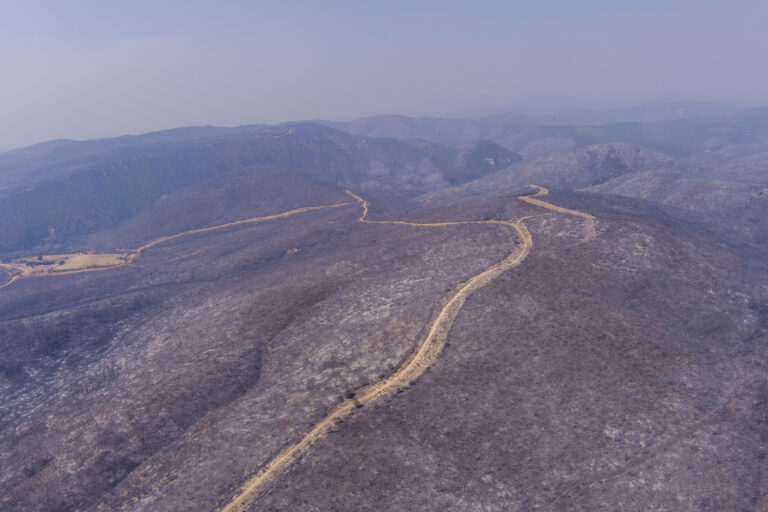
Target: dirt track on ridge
[424, 355]
[90, 261]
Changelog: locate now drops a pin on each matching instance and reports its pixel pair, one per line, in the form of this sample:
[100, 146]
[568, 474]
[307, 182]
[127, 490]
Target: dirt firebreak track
[424, 354]
[90, 262]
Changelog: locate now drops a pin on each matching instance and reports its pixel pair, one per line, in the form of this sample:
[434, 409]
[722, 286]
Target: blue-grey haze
[84, 69]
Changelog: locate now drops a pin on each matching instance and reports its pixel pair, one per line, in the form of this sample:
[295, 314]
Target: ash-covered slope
[570, 168]
[469, 161]
[737, 203]
[58, 157]
[171, 379]
[620, 372]
[619, 366]
[57, 192]
[246, 193]
[54, 194]
[725, 187]
[108, 187]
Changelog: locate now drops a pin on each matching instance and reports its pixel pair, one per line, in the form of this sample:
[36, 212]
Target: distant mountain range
[558, 109]
[55, 192]
[676, 137]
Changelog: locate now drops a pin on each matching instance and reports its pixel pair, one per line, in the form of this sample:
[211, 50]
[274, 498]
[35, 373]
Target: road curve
[251, 220]
[423, 356]
[131, 255]
[10, 282]
[541, 191]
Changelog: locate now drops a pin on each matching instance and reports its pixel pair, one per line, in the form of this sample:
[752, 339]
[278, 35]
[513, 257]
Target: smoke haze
[97, 69]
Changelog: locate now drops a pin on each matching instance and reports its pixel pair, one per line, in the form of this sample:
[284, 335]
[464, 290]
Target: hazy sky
[84, 69]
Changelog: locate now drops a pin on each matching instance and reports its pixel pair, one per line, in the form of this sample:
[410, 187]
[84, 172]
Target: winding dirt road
[541, 191]
[19, 271]
[424, 355]
[251, 220]
[10, 282]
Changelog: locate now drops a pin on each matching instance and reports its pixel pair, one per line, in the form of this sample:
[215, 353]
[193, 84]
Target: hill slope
[627, 349]
[568, 168]
[103, 186]
[280, 301]
[729, 202]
